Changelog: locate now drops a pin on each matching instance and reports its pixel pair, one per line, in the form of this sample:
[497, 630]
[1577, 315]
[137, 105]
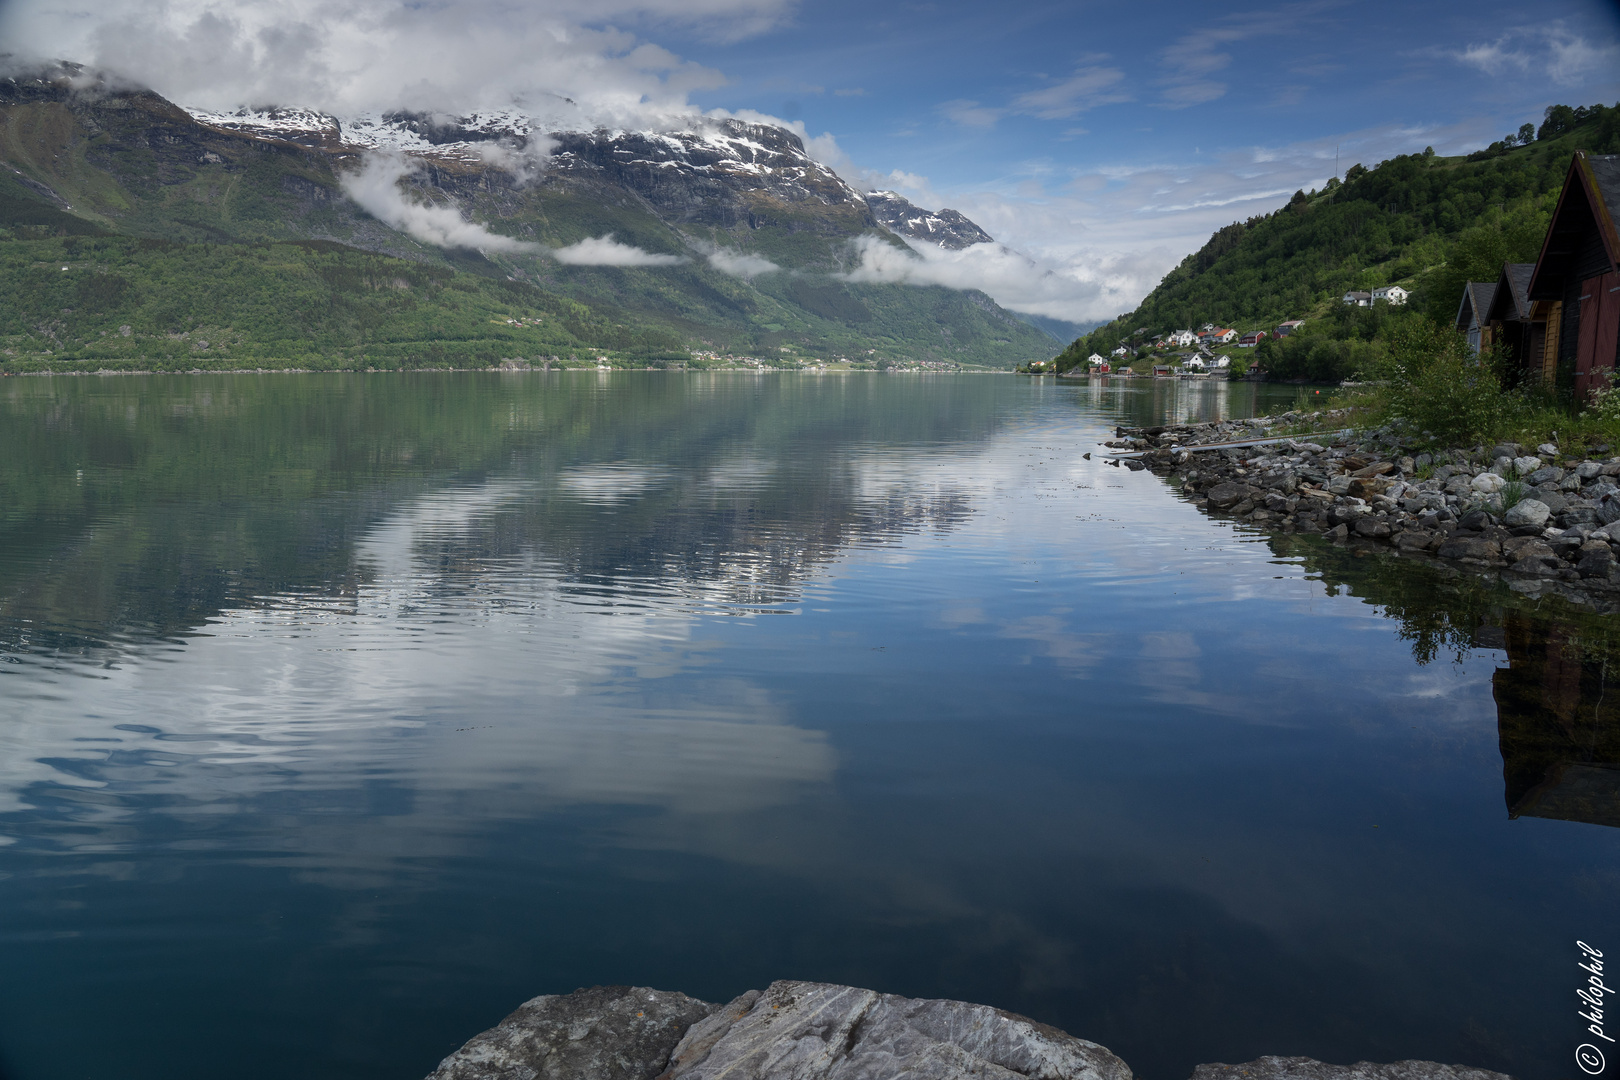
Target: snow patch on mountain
[947, 228]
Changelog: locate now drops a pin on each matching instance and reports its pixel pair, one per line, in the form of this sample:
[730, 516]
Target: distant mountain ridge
[762, 233]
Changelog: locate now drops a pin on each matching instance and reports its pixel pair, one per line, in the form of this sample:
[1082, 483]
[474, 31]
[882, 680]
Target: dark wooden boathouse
[1577, 276]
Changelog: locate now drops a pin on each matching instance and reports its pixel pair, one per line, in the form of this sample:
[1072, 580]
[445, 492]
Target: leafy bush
[1604, 404]
[1439, 387]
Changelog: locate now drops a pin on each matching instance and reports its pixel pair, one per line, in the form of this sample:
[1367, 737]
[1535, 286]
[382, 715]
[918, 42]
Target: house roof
[1476, 303]
[1512, 300]
[1590, 201]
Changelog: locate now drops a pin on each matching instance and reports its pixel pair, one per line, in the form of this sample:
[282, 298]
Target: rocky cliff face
[947, 228]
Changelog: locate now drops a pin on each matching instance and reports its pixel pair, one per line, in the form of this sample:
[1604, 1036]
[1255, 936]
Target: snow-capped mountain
[691, 174]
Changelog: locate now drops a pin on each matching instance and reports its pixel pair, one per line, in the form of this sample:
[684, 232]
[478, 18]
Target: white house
[1223, 335]
[1394, 294]
[1096, 361]
[1358, 299]
[1182, 338]
[1222, 363]
[1193, 363]
[1121, 351]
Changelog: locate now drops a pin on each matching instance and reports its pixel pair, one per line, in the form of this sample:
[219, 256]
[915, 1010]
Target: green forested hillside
[1427, 223]
[309, 304]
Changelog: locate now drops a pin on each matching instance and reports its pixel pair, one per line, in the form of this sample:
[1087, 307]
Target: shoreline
[1545, 522]
[107, 372]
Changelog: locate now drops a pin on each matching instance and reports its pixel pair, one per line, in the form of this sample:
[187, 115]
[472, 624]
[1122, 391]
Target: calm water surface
[340, 714]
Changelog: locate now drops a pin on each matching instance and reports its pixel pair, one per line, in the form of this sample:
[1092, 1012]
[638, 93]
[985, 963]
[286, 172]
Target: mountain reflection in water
[339, 714]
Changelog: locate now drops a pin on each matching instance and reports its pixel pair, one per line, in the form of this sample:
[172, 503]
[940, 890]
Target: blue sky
[1100, 142]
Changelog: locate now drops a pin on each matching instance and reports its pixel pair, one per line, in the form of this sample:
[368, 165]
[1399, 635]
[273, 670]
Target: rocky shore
[820, 1031]
[1547, 521]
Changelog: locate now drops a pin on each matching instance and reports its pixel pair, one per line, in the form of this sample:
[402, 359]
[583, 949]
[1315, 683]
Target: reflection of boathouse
[1558, 722]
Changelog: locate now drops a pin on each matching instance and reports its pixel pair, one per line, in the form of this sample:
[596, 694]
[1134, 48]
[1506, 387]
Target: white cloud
[375, 186]
[353, 56]
[971, 113]
[606, 251]
[1551, 52]
[741, 265]
[1087, 88]
[1014, 280]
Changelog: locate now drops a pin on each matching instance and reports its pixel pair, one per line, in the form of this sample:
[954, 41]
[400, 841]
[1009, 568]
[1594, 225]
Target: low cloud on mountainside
[375, 186]
[1016, 281]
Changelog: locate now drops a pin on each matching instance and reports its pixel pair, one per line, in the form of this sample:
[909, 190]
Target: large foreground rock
[1304, 1068]
[603, 1033]
[817, 1031]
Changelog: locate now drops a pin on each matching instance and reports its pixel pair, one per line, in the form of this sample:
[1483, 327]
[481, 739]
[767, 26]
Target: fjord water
[340, 713]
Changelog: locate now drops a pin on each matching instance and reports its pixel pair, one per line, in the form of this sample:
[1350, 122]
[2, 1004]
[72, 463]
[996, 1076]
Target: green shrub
[1440, 388]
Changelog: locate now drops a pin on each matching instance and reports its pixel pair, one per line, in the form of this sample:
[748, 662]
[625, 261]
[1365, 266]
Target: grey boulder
[1526, 512]
[603, 1033]
[1303, 1068]
[818, 1031]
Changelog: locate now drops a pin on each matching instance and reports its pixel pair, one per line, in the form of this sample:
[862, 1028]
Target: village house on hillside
[1557, 321]
[1182, 339]
[1292, 326]
[1393, 295]
[1251, 339]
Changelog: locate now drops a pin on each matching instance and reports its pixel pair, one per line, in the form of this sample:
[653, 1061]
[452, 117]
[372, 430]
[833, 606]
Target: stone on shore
[821, 1031]
[601, 1033]
[1304, 1068]
[1526, 512]
[818, 1031]
[1224, 495]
